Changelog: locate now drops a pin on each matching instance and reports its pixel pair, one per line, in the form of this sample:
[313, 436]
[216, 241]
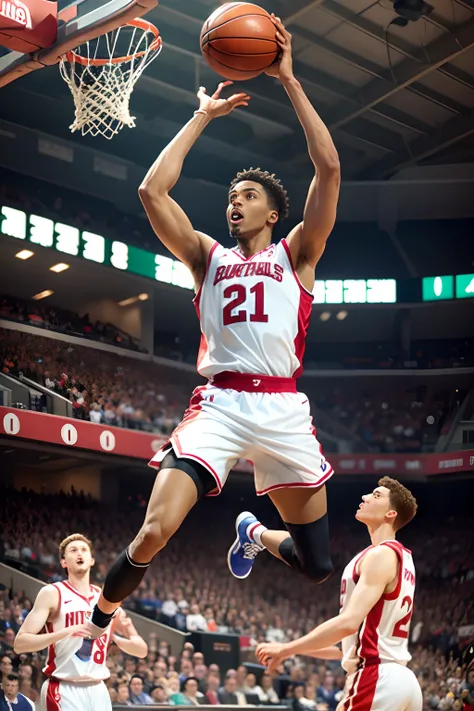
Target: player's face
[77, 557]
[375, 507]
[248, 210]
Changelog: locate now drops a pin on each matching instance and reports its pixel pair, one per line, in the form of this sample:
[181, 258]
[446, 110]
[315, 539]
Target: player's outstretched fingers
[217, 93]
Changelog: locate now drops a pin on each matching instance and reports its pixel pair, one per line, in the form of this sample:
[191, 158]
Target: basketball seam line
[239, 17]
[241, 71]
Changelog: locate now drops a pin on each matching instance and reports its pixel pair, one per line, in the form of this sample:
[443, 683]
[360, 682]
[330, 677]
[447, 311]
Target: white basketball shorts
[382, 687]
[63, 696]
[274, 430]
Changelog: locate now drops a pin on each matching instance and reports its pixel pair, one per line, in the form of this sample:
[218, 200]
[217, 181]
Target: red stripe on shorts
[363, 697]
[53, 696]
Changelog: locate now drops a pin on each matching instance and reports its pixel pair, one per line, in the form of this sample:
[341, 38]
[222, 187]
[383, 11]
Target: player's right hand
[214, 106]
[78, 631]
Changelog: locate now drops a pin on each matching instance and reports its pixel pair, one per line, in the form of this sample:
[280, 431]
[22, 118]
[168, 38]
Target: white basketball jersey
[63, 662]
[254, 313]
[383, 636]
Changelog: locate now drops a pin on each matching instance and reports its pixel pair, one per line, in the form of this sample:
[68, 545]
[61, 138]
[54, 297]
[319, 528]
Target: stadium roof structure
[394, 97]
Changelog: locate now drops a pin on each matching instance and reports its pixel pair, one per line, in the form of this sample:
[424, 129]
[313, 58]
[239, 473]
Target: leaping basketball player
[377, 592]
[75, 681]
[254, 304]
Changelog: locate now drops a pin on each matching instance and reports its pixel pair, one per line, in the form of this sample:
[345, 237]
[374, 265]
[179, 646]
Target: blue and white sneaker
[244, 550]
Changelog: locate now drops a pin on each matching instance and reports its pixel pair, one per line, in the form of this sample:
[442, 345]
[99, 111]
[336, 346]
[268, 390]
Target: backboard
[78, 21]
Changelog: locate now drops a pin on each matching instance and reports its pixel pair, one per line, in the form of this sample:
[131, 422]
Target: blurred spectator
[10, 696]
[138, 697]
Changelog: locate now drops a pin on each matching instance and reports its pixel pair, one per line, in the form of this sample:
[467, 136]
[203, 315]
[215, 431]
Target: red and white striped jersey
[63, 662]
[254, 313]
[383, 636]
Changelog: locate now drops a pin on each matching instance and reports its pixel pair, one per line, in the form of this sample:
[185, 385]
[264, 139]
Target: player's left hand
[270, 655]
[282, 69]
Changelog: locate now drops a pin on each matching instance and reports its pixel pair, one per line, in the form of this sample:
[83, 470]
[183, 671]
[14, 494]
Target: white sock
[254, 532]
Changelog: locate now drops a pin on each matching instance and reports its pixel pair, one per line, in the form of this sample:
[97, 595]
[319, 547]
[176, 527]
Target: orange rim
[73, 56]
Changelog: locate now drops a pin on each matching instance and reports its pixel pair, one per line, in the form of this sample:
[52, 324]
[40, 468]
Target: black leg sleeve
[307, 551]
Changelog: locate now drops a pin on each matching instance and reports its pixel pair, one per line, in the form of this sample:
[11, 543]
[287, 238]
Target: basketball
[239, 41]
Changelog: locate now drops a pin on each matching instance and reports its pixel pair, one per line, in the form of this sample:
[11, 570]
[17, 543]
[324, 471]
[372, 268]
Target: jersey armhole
[292, 266]
[396, 592]
[55, 616]
[197, 297]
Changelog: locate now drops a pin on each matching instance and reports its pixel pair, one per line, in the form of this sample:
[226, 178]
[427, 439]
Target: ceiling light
[24, 254]
[42, 294]
[341, 315]
[143, 297]
[325, 316]
[60, 267]
[128, 302]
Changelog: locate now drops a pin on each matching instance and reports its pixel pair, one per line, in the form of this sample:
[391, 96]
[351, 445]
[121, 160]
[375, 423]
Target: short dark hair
[13, 677]
[136, 676]
[401, 499]
[276, 193]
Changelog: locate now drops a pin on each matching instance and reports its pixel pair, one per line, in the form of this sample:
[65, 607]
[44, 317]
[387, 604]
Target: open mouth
[79, 561]
[236, 216]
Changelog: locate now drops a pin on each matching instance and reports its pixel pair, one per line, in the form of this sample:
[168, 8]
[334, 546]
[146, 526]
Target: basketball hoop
[102, 72]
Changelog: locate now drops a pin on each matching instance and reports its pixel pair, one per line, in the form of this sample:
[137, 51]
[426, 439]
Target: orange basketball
[239, 40]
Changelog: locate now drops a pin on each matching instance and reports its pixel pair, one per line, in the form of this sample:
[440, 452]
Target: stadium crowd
[190, 588]
[122, 391]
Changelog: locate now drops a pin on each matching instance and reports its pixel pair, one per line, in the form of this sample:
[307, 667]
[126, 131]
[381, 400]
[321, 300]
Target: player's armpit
[174, 229]
[377, 569]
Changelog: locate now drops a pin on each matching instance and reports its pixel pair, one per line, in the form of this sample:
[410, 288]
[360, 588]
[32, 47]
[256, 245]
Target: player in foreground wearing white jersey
[254, 304]
[76, 668]
[377, 592]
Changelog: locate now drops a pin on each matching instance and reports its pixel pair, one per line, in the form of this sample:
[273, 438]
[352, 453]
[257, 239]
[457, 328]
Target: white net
[102, 73]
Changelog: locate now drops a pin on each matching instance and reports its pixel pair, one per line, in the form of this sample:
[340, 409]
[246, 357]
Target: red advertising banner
[66, 432]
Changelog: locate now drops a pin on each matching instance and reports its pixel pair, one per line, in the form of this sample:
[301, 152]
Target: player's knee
[152, 537]
[318, 570]
[311, 549]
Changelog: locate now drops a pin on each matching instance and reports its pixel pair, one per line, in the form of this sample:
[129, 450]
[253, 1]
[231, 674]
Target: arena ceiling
[392, 96]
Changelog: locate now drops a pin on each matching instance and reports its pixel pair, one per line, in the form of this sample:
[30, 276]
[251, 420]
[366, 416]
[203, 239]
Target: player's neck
[380, 533]
[81, 583]
[254, 244]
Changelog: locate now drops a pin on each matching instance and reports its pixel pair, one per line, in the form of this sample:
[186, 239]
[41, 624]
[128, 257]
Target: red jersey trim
[252, 382]
[395, 546]
[53, 696]
[197, 297]
[355, 574]
[252, 256]
[76, 592]
[298, 281]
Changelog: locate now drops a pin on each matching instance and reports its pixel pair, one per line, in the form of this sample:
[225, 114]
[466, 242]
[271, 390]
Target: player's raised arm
[377, 570]
[127, 638]
[167, 218]
[308, 240]
[30, 637]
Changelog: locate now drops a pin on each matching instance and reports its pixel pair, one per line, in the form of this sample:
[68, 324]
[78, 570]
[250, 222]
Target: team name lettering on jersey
[249, 269]
[408, 575]
[78, 617]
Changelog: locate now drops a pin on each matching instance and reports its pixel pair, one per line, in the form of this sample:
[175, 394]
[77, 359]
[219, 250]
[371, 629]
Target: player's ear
[92, 562]
[391, 516]
[273, 217]
[62, 562]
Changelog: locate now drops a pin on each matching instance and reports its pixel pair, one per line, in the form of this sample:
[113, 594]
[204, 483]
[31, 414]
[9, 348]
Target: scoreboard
[90, 246]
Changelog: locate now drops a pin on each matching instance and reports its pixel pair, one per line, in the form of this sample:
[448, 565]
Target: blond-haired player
[377, 592]
[76, 667]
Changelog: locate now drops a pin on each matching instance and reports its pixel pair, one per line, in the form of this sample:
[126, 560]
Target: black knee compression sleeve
[123, 578]
[307, 551]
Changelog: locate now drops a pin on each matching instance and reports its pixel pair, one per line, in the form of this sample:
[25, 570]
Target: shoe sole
[238, 520]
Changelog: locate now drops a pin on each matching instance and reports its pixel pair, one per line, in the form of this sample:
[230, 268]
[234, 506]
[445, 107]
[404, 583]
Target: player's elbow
[18, 646]
[349, 624]
[150, 194]
[329, 169]
[143, 649]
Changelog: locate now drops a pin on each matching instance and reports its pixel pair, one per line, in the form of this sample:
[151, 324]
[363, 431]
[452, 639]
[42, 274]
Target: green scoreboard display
[438, 288]
[92, 247]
